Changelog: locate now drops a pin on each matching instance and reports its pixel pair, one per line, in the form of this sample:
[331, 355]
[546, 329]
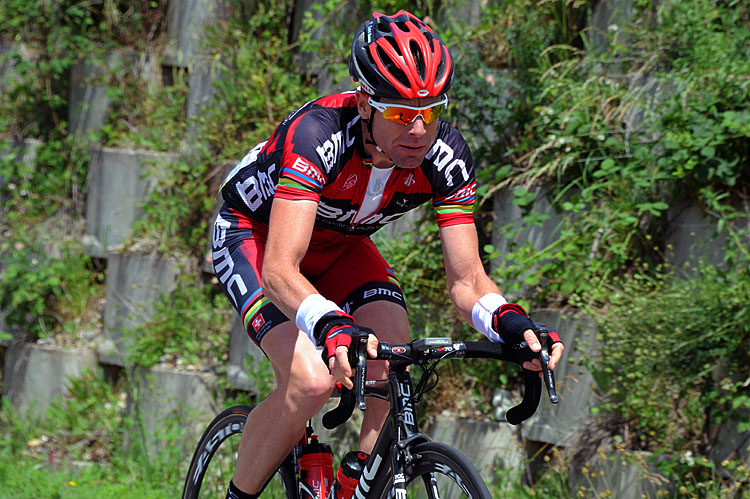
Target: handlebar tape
[342, 412]
[531, 397]
[533, 392]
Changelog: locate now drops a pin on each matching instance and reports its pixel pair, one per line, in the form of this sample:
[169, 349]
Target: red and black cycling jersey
[317, 153]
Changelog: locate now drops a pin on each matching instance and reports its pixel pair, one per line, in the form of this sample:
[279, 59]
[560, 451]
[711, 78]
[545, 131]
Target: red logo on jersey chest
[350, 182]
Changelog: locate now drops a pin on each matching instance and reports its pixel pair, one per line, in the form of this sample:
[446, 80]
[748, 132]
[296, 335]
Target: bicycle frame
[400, 431]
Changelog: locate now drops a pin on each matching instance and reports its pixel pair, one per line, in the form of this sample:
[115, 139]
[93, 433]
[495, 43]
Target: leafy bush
[673, 356]
[145, 114]
[625, 135]
[42, 293]
[259, 81]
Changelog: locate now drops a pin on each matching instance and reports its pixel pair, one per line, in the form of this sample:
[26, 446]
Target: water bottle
[316, 468]
[349, 473]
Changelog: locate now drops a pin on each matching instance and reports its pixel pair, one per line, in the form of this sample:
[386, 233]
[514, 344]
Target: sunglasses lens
[405, 116]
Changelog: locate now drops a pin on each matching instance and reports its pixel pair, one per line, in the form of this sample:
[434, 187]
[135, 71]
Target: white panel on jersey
[373, 196]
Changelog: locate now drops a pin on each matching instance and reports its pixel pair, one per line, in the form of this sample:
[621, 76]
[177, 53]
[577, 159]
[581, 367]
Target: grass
[81, 449]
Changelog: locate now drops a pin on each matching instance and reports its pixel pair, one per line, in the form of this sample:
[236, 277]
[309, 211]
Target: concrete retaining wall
[119, 180]
[158, 396]
[33, 375]
[134, 282]
[560, 424]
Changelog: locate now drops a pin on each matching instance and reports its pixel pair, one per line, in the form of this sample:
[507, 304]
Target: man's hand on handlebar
[556, 352]
[513, 325]
[339, 336]
[340, 363]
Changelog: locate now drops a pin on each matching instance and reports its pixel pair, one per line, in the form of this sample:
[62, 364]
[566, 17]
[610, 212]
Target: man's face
[405, 145]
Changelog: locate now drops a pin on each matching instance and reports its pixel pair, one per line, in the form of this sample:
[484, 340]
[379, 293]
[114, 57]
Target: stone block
[345, 17]
[9, 54]
[89, 103]
[729, 443]
[24, 151]
[134, 282]
[692, 238]
[510, 231]
[560, 424]
[203, 73]
[186, 20]
[489, 445]
[119, 180]
[606, 19]
[34, 375]
[160, 399]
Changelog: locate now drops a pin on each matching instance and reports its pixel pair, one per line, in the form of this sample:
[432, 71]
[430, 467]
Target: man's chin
[410, 161]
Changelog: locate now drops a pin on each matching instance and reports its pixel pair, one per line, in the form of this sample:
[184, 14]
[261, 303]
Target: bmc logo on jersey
[467, 191]
[334, 147]
[441, 155]
[308, 170]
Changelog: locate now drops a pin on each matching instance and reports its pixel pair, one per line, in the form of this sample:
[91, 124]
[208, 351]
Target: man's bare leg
[277, 423]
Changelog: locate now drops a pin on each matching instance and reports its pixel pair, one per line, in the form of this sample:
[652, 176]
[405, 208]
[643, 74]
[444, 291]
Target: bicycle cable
[427, 373]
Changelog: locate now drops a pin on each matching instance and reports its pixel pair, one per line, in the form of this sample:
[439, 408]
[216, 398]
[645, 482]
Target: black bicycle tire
[227, 423]
[429, 455]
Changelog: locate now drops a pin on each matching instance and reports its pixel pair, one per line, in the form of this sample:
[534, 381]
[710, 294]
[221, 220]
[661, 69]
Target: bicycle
[404, 462]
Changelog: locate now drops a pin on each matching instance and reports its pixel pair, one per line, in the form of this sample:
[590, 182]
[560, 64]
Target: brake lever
[547, 374]
[361, 374]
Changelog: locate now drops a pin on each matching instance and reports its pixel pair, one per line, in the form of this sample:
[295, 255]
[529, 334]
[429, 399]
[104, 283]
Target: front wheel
[440, 471]
[214, 459]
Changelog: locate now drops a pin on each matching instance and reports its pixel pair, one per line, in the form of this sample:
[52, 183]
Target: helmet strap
[370, 139]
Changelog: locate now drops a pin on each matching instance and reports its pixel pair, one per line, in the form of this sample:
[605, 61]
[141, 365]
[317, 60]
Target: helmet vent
[402, 26]
[383, 26]
[418, 58]
[392, 68]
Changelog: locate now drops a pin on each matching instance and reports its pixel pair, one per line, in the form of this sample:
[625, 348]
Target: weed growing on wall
[628, 134]
[48, 39]
[189, 327]
[674, 349]
[260, 82]
[146, 114]
[47, 283]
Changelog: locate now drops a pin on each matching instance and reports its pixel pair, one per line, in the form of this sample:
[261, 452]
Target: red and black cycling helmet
[400, 57]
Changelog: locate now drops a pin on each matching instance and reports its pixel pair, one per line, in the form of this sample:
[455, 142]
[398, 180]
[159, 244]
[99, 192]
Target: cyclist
[291, 244]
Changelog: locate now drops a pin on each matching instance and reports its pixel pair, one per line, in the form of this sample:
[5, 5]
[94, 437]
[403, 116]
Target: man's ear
[362, 105]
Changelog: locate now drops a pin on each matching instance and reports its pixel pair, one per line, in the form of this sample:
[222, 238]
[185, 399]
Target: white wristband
[310, 311]
[481, 314]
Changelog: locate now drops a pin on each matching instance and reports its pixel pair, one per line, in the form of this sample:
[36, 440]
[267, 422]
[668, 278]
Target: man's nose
[417, 126]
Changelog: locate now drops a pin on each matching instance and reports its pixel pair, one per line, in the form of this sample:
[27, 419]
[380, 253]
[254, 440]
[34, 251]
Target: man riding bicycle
[292, 246]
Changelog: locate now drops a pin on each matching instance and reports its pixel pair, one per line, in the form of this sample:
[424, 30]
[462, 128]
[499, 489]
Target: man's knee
[389, 320]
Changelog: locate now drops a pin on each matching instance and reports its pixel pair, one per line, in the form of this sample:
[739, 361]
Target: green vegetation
[189, 328]
[89, 446]
[622, 129]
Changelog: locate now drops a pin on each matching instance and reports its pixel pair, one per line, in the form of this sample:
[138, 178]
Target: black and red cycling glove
[511, 320]
[335, 329]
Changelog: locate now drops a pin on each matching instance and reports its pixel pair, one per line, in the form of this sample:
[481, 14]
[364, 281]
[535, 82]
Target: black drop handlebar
[425, 350]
